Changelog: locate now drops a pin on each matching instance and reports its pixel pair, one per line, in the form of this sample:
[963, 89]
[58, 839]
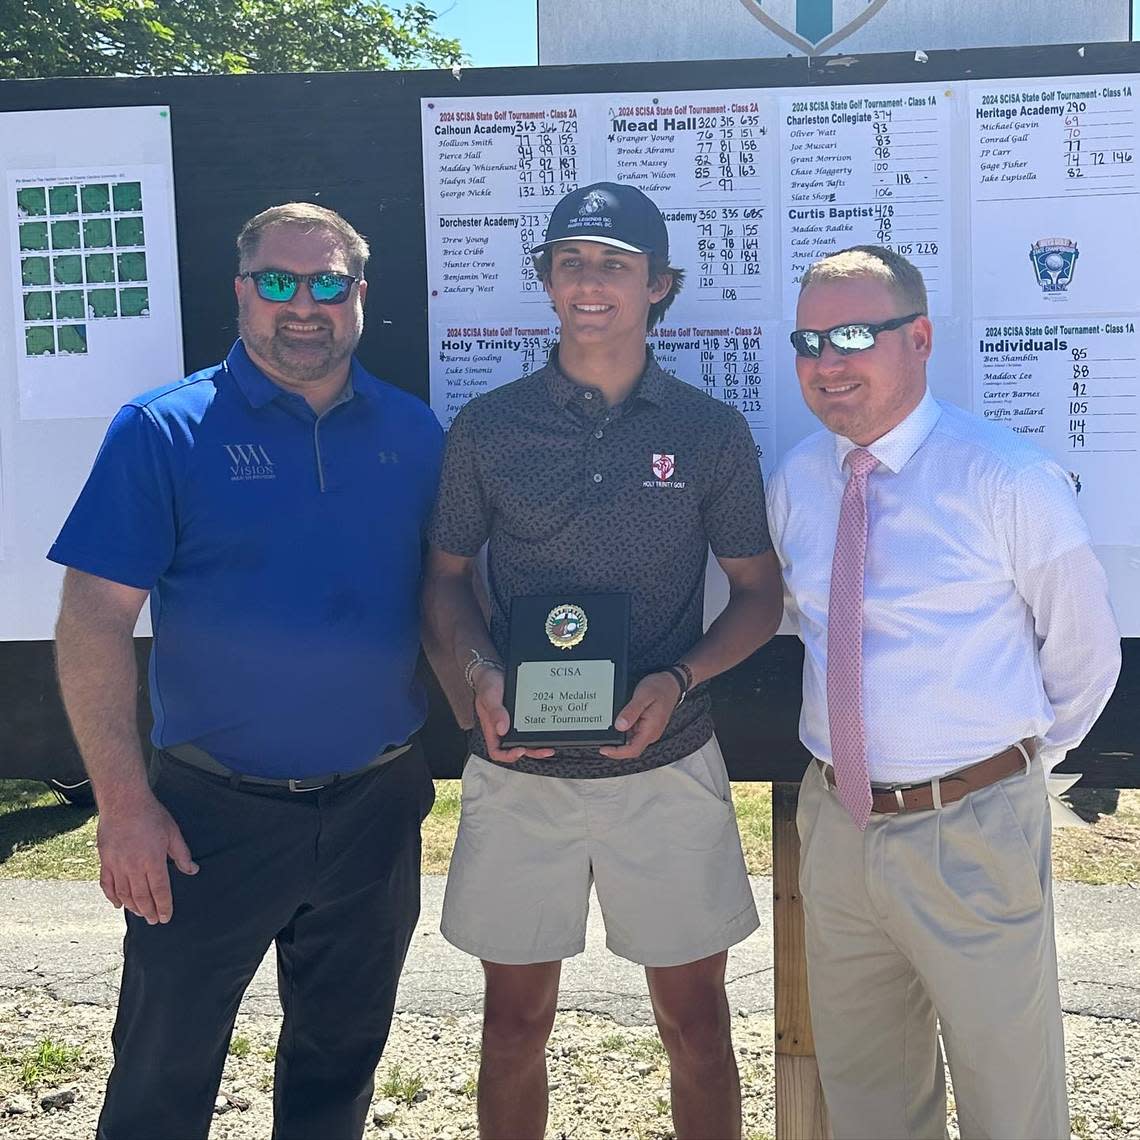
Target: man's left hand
[645, 716]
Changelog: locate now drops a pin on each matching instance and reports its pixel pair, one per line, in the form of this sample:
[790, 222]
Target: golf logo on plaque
[567, 663]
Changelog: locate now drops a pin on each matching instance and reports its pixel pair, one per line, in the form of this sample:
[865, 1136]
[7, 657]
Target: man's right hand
[135, 840]
[495, 720]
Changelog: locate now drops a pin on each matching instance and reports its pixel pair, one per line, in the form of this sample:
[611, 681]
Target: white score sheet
[1017, 199]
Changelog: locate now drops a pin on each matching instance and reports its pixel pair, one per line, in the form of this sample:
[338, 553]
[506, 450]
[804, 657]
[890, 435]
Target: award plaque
[567, 662]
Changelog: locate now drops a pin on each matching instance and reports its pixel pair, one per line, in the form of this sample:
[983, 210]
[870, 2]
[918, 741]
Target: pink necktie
[845, 644]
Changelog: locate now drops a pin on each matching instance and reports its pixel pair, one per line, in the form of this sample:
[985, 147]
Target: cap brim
[584, 237]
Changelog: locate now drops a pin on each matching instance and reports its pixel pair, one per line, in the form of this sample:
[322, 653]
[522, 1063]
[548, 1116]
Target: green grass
[648, 1049]
[239, 1046]
[1107, 852]
[42, 839]
[754, 819]
[439, 828]
[44, 1063]
[400, 1086]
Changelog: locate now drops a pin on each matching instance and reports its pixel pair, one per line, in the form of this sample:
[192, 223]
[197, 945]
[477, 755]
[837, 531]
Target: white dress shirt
[986, 616]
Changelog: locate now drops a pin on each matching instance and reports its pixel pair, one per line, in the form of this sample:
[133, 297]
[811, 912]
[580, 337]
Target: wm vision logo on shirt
[249, 461]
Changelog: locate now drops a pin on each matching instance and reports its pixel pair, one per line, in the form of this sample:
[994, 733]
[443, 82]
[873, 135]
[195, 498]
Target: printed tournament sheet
[1017, 199]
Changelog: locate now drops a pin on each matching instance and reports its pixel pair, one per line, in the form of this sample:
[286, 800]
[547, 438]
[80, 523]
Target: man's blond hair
[898, 274]
[308, 217]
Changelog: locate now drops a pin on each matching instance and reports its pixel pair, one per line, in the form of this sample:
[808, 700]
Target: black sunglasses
[845, 339]
[279, 285]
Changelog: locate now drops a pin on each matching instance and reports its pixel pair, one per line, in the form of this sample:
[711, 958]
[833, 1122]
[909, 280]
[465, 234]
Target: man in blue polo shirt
[273, 509]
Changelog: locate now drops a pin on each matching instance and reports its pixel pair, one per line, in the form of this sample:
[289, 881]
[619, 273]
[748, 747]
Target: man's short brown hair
[309, 217]
[898, 274]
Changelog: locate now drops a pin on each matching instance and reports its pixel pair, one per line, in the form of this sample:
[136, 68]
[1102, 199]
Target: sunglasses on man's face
[845, 339]
[279, 285]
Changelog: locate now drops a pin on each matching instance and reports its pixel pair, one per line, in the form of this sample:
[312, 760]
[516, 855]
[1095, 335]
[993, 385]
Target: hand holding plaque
[567, 665]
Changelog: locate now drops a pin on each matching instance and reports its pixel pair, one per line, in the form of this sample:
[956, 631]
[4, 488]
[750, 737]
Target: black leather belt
[195, 757]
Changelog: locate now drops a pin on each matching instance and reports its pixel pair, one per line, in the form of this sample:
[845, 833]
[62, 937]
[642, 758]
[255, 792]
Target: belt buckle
[296, 786]
[895, 790]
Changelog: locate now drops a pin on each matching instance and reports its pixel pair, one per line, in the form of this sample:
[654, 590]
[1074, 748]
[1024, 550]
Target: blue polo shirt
[282, 553]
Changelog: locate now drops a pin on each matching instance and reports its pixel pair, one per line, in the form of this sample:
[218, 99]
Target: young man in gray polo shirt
[603, 473]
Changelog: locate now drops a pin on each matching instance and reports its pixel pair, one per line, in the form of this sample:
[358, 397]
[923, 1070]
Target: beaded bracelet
[478, 659]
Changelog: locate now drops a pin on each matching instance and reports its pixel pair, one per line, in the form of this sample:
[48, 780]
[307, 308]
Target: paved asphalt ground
[64, 938]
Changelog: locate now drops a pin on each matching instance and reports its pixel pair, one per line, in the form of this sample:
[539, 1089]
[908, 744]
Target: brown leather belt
[950, 788]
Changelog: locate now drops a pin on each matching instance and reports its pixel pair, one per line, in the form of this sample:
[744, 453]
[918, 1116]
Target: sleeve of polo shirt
[462, 519]
[734, 513]
[122, 526]
[434, 462]
[1066, 590]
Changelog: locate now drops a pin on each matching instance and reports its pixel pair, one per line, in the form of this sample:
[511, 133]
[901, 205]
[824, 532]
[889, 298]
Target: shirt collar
[895, 449]
[259, 390]
[562, 390]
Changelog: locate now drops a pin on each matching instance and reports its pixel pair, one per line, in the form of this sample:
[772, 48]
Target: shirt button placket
[598, 433]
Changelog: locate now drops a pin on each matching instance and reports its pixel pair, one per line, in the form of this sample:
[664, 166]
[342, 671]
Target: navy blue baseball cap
[610, 213]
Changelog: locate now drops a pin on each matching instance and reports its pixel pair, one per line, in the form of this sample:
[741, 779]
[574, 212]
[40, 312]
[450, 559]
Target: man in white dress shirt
[958, 641]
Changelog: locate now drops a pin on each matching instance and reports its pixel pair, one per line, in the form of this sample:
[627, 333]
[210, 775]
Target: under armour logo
[389, 456]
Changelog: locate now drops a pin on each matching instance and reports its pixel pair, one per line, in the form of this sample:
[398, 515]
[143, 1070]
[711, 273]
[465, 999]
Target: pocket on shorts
[706, 768]
[474, 779]
[694, 800]
[486, 789]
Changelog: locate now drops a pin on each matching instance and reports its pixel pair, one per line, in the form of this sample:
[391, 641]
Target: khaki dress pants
[941, 917]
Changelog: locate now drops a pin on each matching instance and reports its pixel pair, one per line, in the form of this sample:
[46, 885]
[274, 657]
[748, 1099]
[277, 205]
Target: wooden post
[801, 1113]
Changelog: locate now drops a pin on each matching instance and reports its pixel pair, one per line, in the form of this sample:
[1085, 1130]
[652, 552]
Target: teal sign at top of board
[814, 26]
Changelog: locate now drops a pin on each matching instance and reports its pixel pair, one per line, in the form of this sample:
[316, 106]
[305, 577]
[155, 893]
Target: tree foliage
[42, 38]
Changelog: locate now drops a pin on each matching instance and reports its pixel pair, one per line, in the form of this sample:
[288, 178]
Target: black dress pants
[332, 877]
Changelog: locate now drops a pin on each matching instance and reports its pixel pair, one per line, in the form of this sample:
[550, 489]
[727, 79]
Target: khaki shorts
[661, 848]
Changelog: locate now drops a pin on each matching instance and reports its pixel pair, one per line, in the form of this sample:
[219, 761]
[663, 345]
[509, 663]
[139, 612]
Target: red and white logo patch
[663, 466]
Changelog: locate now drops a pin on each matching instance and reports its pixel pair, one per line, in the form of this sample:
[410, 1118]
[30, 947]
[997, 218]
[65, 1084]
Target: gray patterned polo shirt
[572, 495]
